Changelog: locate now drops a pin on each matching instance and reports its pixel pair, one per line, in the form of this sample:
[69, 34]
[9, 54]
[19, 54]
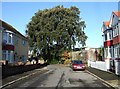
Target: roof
[106, 23]
[117, 13]
[10, 28]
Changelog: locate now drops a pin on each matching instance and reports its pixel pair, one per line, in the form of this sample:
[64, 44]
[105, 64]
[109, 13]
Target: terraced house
[111, 36]
[14, 45]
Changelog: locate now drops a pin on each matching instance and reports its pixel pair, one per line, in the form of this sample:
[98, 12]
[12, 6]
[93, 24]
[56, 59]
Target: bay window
[7, 37]
[7, 55]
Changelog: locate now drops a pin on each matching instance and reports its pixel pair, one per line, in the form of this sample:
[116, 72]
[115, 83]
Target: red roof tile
[106, 23]
[117, 13]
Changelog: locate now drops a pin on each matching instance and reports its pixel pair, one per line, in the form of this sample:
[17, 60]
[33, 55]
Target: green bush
[54, 61]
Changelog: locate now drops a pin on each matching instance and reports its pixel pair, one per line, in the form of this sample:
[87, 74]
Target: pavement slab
[109, 77]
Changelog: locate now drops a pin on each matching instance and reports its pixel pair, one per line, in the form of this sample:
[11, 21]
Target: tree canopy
[56, 29]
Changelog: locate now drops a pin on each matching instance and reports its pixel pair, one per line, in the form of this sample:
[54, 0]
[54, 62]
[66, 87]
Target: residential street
[59, 76]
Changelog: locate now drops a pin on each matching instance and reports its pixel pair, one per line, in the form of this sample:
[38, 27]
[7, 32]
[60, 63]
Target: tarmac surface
[107, 77]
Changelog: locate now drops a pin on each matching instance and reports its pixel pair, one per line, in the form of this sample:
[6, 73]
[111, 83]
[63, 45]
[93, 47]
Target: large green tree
[56, 29]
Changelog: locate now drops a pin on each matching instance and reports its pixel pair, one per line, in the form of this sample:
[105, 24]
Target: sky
[18, 15]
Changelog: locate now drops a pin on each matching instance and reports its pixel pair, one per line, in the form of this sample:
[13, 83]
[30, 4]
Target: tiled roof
[117, 13]
[106, 23]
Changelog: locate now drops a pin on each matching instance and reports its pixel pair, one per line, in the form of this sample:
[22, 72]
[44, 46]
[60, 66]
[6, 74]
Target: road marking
[24, 78]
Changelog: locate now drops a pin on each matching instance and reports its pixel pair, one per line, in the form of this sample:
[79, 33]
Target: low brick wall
[8, 70]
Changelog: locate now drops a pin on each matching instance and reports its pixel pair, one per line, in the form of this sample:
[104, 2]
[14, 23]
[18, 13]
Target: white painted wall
[98, 65]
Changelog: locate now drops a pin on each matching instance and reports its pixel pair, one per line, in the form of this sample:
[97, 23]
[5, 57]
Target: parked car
[77, 65]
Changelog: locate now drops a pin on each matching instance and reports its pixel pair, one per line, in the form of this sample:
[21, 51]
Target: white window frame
[115, 30]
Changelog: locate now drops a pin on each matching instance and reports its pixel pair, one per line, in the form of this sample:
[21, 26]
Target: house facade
[0, 43]
[111, 37]
[14, 46]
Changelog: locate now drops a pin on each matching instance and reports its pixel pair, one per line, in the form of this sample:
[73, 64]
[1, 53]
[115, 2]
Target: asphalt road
[59, 77]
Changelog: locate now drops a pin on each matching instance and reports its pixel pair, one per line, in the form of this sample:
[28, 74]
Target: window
[4, 54]
[105, 37]
[115, 30]
[110, 51]
[9, 55]
[4, 37]
[7, 37]
[23, 58]
[23, 42]
[10, 38]
[117, 50]
[110, 35]
[106, 52]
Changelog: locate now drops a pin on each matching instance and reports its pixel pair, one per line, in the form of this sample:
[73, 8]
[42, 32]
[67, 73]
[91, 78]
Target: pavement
[107, 77]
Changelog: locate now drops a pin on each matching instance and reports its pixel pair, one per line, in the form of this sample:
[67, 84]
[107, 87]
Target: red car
[78, 65]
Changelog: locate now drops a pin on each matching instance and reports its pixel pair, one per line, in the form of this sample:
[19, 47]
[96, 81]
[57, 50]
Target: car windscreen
[77, 62]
